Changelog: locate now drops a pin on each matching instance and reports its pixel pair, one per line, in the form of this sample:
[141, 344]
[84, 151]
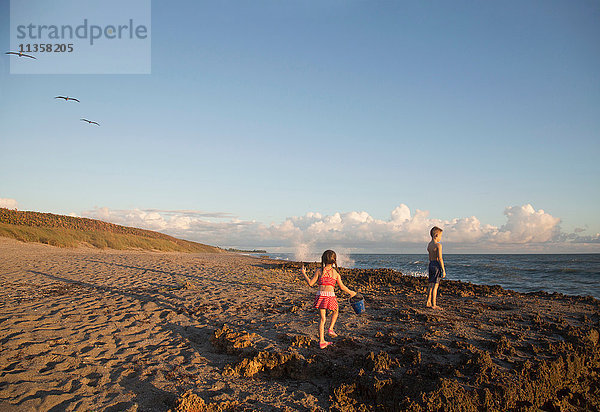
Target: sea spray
[303, 253]
[343, 258]
[307, 252]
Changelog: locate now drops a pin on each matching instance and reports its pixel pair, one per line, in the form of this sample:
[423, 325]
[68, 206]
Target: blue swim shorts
[435, 271]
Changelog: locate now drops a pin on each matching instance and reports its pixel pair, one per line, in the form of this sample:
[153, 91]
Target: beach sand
[88, 329]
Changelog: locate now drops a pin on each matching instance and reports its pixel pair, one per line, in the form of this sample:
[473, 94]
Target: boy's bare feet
[429, 305]
[437, 307]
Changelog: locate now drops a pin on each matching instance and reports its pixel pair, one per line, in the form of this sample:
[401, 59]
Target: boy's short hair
[434, 231]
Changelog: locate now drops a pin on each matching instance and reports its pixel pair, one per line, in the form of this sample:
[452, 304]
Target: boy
[436, 266]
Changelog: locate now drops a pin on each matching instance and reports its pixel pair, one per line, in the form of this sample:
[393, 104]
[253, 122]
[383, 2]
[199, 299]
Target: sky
[354, 125]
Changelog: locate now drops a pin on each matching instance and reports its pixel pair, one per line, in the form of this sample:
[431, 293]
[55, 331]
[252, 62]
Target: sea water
[571, 274]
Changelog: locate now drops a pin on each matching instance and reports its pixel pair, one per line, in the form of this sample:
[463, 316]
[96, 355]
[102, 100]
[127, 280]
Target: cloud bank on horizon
[526, 230]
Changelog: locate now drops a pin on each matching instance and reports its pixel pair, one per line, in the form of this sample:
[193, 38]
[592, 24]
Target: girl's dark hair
[328, 258]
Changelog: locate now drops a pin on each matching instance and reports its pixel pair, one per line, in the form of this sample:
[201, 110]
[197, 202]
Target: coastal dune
[89, 329]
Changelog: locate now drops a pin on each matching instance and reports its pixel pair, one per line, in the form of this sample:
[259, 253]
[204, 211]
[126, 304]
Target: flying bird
[90, 122]
[67, 98]
[21, 54]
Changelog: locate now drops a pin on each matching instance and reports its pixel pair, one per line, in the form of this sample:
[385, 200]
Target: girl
[327, 278]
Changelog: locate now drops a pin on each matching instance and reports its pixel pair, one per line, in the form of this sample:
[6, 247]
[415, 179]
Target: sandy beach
[88, 329]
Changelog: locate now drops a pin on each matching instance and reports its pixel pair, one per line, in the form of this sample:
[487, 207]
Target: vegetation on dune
[69, 231]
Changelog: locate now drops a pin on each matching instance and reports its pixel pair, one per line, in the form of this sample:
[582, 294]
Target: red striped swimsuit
[326, 299]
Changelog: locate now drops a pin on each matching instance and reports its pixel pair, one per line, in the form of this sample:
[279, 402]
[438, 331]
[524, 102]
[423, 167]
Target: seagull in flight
[67, 98]
[90, 122]
[21, 54]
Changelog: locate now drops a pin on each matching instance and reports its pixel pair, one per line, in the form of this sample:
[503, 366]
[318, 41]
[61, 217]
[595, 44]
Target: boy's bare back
[433, 248]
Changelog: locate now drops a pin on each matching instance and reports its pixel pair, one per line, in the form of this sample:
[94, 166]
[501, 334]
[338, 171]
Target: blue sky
[263, 112]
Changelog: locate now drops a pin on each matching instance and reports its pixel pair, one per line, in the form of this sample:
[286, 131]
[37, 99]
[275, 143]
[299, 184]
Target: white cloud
[525, 228]
[8, 203]
[401, 214]
[526, 225]
[147, 219]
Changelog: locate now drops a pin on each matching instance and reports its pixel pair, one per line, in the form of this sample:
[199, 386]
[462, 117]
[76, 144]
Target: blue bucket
[358, 305]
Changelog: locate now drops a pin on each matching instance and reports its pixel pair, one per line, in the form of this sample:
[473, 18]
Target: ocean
[571, 274]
